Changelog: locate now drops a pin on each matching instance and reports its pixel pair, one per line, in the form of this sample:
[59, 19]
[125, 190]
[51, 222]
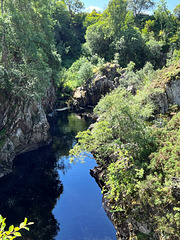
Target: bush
[173, 58]
[137, 79]
[78, 73]
[155, 52]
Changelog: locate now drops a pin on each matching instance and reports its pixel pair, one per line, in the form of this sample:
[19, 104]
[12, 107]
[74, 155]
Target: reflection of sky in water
[79, 209]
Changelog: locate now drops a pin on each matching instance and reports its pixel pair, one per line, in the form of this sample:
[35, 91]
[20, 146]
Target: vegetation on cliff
[140, 153]
[137, 147]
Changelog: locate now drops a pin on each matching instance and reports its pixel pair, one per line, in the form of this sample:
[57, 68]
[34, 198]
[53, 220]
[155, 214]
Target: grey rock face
[24, 125]
[96, 87]
[170, 96]
[173, 91]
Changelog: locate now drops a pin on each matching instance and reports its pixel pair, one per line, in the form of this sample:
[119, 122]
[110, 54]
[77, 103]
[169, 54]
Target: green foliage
[115, 34]
[141, 160]
[177, 11]
[166, 159]
[130, 47]
[117, 11]
[68, 44]
[29, 58]
[120, 126]
[165, 20]
[155, 189]
[12, 232]
[120, 181]
[78, 73]
[92, 18]
[137, 6]
[74, 6]
[173, 58]
[137, 78]
[98, 39]
[159, 190]
[148, 30]
[155, 51]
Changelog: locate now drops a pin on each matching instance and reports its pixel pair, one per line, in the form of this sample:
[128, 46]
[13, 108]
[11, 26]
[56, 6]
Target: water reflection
[31, 191]
[34, 190]
[34, 186]
[64, 128]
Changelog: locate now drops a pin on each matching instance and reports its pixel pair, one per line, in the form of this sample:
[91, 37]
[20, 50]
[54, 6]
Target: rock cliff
[96, 87]
[23, 126]
[167, 88]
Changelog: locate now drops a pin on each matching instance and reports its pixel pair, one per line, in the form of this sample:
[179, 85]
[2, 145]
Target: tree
[177, 11]
[130, 47]
[80, 71]
[155, 52]
[117, 10]
[67, 43]
[166, 20]
[28, 46]
[138, 6]
[98, 39]
[74, 6]
[92, 18]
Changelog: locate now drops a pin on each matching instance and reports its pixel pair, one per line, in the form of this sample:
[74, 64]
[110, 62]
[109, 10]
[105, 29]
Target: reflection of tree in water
[31, 191]
[64, 128]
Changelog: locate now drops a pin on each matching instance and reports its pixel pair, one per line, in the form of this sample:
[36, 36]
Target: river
[62, 199]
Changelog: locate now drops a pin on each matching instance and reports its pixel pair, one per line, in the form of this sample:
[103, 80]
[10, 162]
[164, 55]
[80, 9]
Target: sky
[100, 5]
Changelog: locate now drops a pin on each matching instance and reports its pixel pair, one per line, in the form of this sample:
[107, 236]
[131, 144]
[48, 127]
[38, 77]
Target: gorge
[100, 86]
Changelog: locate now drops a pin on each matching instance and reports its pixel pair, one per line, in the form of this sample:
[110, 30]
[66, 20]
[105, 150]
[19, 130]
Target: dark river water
[62, 199]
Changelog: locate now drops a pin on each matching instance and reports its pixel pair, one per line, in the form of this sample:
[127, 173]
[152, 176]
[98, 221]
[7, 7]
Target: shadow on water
[32, 189]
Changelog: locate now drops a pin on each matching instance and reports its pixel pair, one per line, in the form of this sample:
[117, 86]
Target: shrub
[120, 126]
[78, 73]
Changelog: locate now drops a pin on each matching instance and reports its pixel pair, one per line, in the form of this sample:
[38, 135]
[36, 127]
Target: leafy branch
[12, 232]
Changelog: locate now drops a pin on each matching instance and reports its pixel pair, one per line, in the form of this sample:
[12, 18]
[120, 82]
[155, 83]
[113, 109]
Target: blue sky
[102, 4]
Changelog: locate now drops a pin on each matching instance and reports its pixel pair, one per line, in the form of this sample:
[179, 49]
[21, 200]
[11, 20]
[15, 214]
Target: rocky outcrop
[50, 98]
[167, 88]
[97, 173]
[169, 96]
[23, 126]
[96, 87]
